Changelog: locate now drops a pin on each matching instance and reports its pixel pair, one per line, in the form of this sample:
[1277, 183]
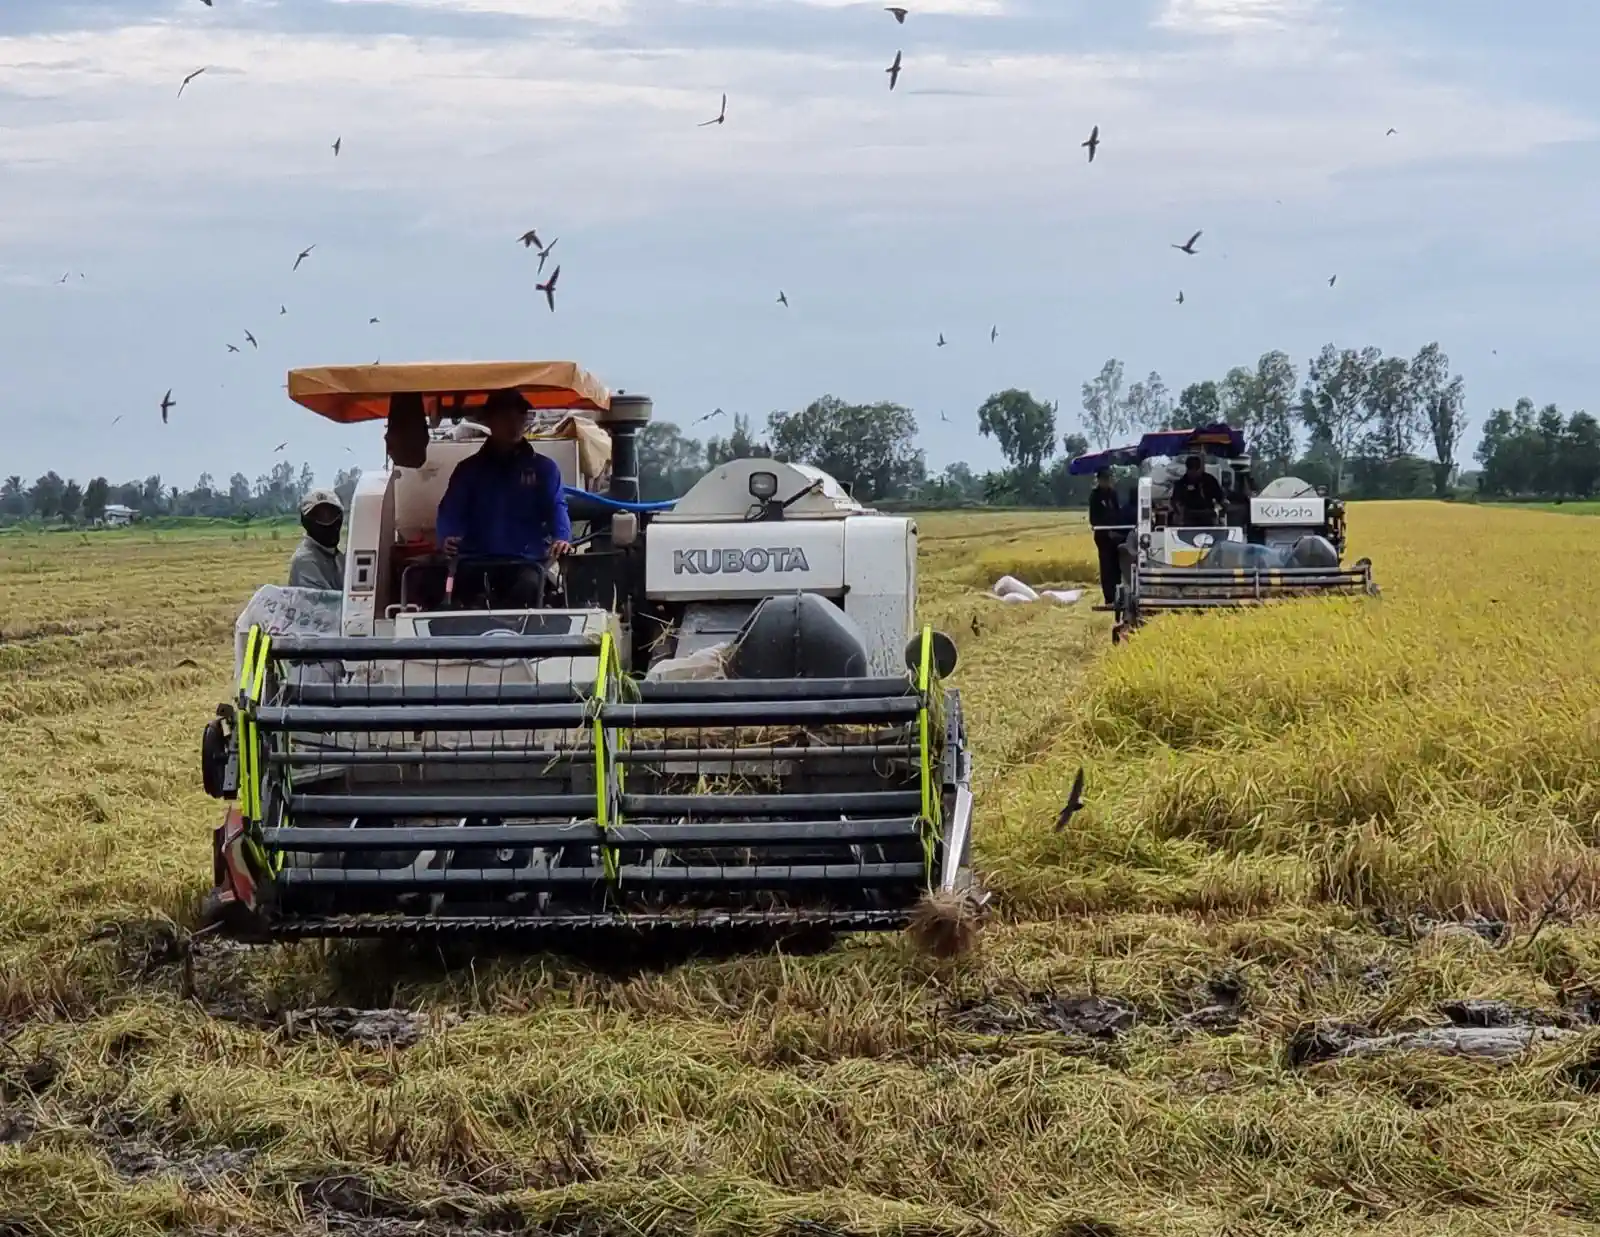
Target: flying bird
[715, 412]
[1331, 279]
[372, 322]
[994, 333]
[530, 238]
[549, 288]
[304, 254]
[1391, 133]
[1188, 245]
[116, 418]
[899, 13]
[207, 3]
[940, 344]
[1093, 144]
[252, 340]
[189, 79]
[279, 447]
[233, 347]
[544, 253]
[167, 405]
[1180, 296]
[337, 142]
[65, 277]
[894, 71]
[1074, 802]
[943, 418]
[282, 309]
[717, 120]
[782, 299]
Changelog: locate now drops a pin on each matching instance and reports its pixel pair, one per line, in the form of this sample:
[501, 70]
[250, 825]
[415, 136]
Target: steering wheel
[486, 563]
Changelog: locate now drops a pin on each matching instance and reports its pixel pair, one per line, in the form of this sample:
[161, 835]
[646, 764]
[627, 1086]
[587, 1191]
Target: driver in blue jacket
[505, 502]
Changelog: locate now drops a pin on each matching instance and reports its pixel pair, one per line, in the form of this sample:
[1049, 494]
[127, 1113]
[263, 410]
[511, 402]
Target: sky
[958, 202]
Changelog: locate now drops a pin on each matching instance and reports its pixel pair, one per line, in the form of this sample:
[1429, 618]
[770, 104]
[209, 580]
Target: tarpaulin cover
[350, 393]
[1217, 438]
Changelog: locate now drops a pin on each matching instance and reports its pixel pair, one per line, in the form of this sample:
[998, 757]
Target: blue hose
[617, 504]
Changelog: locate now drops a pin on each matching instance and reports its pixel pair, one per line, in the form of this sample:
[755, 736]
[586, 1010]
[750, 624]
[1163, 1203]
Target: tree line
[1357, 422]
[53, 499]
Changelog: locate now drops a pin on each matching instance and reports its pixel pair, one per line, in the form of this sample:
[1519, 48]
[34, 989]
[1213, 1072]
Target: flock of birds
[532, 241]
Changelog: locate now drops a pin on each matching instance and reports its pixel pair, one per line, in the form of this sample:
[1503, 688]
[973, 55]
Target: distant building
[117, 516]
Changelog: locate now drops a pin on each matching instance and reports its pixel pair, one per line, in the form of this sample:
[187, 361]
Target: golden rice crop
[1283, 806]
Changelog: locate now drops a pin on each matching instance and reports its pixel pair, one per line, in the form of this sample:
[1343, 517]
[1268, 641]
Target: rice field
[1320, 839]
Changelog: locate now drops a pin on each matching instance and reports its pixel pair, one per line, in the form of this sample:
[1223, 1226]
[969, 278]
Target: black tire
[214, 752]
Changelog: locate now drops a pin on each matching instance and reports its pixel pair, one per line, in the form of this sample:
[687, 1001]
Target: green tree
[1392, 413]
[94, 499]
[44, 499]
[741, 444]
[1441, 403]
[13, 498]
[1148, 405]
[1025, 428]
[71, 500]
[1199, 404]
[1582, 455]
[1105, 413]
[669, 461]
[868, 447]
[344, 485]
[1334, 404]
[1272, 438]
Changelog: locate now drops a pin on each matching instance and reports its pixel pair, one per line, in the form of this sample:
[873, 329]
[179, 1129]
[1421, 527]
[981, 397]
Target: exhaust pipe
[627, 415]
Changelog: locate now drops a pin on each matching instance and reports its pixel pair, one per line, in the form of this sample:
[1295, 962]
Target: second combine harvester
[722, 714]
[1285, 540]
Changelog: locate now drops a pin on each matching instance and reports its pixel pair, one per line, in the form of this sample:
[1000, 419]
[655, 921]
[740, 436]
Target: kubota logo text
[728, 561]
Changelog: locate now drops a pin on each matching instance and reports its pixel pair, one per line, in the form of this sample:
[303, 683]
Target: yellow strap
[602, 788]
[246, 726]
[924, 679]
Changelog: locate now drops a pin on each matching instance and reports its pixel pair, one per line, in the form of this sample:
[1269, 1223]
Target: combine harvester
[723, 715]
[1287, 540]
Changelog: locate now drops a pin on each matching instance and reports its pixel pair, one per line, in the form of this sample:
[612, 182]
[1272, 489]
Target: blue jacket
[505, 504]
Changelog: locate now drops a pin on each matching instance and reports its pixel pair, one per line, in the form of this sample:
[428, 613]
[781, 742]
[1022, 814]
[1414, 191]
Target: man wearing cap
[1197, 495]
[317, 562]
[505, 502]
[1107, 518]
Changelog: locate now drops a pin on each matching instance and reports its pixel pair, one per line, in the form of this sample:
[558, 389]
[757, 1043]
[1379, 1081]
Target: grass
[1282, 806]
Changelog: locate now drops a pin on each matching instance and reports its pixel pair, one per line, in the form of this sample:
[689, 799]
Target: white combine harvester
[723, 714]
[1285, 540]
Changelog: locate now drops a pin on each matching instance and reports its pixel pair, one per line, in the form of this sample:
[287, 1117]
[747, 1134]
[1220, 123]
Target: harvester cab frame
[1285, 540]
[731, 719]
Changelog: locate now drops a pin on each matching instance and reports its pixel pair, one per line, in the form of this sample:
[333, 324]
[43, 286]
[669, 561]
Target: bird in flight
[252, 340]
[1180, 296]
[1074, 802]
[116, 418]
[372, 322]
[1093, 142]
[304, 254]
[65, 277]
[994, 333]
[782, 299]
[943, 418]
[899, 13]
[189, 79]
[530, 238]
[167, 405]
[1331, 279]
[207, 3]
[279, 447]
[1391, 132]
[282, 309]
[1188, 245]
[940, 344]
[894, 71]
[549, 288]
[716, 120]
[337, 143]
[715, 412]
[233, 347]
[544, 253]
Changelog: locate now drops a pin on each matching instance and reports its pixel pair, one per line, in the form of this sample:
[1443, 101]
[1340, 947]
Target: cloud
[1233, 16]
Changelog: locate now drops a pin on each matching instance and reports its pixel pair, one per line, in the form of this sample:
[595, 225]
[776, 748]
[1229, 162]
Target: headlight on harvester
[763, 485]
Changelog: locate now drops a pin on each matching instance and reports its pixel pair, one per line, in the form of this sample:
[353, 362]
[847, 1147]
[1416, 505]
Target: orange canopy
[349, 393]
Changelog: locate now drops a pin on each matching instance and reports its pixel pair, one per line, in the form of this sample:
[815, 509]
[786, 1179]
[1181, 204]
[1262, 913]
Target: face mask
[325, 535]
